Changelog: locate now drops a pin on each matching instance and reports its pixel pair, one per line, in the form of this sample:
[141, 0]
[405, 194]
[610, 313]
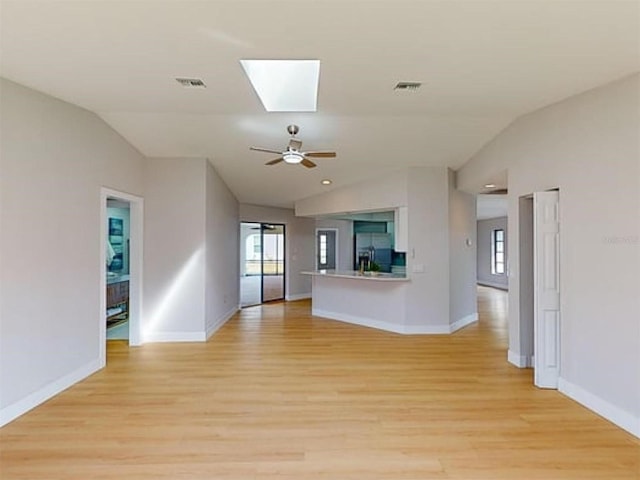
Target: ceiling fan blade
[307, 163]
[274, 161]
[295, 144]
[268, 150]
[320, 154]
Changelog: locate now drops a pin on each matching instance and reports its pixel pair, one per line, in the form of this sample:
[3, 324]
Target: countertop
[356, 275]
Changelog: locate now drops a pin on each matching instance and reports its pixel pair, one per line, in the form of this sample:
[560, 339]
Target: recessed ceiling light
[326, 181]
[285, 85]
[489, 185]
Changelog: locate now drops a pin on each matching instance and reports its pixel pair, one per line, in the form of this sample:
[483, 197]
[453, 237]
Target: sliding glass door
[262, 263]
[272, 262]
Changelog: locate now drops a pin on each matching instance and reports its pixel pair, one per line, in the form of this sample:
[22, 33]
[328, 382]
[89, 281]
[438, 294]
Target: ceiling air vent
[409, 86]
[191, 82]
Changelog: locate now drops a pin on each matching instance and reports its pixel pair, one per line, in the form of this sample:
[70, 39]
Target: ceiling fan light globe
[292, 157]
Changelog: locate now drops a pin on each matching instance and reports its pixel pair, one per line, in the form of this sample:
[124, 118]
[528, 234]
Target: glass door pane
[272, 262]
[250, 264]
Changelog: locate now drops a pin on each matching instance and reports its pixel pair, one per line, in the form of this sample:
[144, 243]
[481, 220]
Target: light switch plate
[418, 268]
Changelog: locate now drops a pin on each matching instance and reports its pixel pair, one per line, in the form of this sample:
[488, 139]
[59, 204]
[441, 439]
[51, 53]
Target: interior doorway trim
[136, 210]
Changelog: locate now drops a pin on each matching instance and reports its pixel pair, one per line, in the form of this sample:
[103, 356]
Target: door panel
[272, 262]
[551, 326]
[547, 289]
[251, 264]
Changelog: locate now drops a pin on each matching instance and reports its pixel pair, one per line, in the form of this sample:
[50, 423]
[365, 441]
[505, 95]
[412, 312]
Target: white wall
[390, 191]
[427, 193]
[586, 145]
[52, 153]
[222, 281]
[428, 253]
[300, 246]
[463, 297]
[174, 249]
[485, 229]
[345, 240]
[191, 253]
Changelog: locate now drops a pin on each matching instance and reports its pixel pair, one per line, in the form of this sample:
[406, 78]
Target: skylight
[285, 85]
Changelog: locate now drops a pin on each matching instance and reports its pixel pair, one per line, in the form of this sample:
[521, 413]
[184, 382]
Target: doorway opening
[262, 263]
[121, 268]
[118, 246]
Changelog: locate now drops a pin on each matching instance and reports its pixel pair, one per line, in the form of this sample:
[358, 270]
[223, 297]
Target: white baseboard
[298, 296]
[615, 415]
[493, 285]
[520, 361]
[158, 337]
[381, 325]
[365, 322]
[31, 401]
[211, 329]
[427, 329]
[463, 322]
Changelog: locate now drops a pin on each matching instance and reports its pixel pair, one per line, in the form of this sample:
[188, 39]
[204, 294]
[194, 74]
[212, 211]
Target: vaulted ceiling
[482, 64]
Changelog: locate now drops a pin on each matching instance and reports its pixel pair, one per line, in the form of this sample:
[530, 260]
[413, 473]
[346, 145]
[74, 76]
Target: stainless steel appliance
[373, 247]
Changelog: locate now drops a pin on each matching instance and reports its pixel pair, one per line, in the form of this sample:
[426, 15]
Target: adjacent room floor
[119, 331]
[279, 394]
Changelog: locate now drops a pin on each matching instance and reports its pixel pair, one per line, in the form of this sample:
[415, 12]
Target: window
[323, 249]
[257, 246]
[497, 252]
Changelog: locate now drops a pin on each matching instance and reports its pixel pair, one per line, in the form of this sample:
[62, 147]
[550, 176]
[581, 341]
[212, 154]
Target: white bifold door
[546, 258]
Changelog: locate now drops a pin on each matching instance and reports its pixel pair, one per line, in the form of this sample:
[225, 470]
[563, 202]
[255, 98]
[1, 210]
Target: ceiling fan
[292, 153]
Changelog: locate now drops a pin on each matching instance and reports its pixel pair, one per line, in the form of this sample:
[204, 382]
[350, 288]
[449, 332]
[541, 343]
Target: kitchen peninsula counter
[377, 301]
[356, 275]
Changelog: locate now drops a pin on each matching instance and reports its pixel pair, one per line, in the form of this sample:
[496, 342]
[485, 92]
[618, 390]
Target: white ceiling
[483, 63]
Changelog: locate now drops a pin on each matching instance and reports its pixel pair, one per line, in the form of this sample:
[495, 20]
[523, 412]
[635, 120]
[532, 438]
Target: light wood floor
[279, 394]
